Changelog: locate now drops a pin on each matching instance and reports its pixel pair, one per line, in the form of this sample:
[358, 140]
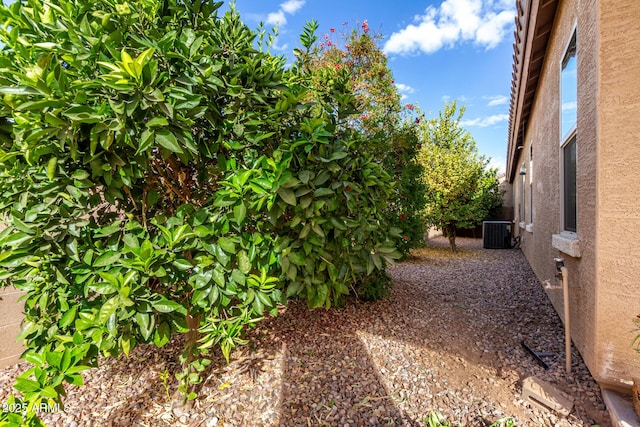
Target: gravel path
[447, 340]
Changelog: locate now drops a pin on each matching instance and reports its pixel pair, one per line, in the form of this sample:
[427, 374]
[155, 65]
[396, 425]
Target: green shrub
[160, 174]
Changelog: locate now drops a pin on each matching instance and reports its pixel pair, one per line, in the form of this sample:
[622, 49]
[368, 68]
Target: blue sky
[438, 50]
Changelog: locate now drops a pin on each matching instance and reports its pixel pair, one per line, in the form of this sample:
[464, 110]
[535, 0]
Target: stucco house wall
[543, 134]
[603, 263]
[618, 184]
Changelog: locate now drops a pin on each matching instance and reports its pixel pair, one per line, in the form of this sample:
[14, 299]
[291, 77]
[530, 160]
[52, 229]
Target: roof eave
[534, 23]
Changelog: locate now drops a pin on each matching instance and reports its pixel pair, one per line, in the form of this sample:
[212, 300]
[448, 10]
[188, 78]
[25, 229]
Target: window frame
[567, 138]
[530, 173]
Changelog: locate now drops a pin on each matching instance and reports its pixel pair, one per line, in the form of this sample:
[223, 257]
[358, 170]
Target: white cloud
[496, 100]
[277, 47]
[292, 6]
[287, 8]
[276, 18]
[485, 121]
[483, 22]
[491, 32]
[402, 88]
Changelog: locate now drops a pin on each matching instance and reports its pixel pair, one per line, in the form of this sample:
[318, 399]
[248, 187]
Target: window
[569, 184]
[569, 90]
[568, 138]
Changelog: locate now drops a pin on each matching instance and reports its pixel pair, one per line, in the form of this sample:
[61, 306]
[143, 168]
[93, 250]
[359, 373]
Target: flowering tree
[388, 127]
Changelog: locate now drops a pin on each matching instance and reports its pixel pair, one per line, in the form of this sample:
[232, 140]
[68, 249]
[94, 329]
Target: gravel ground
[448, 339]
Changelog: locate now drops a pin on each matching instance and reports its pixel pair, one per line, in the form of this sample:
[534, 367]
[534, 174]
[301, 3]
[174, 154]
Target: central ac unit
[496, 234]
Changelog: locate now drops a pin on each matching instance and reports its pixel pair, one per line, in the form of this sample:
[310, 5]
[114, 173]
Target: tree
[387, 126]
[460, 190]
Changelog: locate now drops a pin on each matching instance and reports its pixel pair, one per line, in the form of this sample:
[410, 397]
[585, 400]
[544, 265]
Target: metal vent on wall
[496, 234]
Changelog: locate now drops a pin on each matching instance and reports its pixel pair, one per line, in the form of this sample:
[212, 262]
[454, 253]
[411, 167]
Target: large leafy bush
[161, 174]
[391, 130]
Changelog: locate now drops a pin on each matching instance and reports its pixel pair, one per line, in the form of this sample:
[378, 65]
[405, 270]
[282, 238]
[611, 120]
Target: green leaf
[108, 308]
[157, 122]
[305, 176]
[34, 358]
[182, 264]
[258, 306]
[49, 392]
[16, 239]
[162, 334]
[107, 258]
[146, 141]
[144, 322]
[103, 288]
[75, 379]
[22, 226]
[227, 245]
[53, 358]
[240, 213]
[80, 175]
[68, 317]
[52, 167]
[168, 140]
[218, 276]
[243, 262]
[338, 155]
[25, 385]
[19, 90]
[320, 192]
[287, 195]
[294, 289]
[166, 306]
[238, 277]
[125, 343]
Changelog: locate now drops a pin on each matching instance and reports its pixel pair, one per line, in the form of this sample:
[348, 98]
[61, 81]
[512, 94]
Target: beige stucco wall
[605, 279]
[543, 132]
[618, 183]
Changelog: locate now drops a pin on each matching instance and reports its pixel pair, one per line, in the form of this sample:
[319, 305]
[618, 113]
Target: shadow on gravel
[328, 376]
[447, 340]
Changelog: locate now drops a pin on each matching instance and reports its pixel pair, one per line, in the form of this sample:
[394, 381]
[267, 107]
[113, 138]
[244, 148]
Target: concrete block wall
[10, 320]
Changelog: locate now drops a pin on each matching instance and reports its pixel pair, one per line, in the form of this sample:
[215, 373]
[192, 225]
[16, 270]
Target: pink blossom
[365, 26]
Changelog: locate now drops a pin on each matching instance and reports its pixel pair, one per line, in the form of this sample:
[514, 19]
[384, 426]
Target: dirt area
[447, 339]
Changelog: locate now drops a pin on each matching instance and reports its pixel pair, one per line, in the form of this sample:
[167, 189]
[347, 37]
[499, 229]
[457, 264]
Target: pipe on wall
[564, 272]
[563, 275]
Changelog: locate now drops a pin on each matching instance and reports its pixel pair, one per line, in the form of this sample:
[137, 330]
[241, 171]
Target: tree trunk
[451, 234]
